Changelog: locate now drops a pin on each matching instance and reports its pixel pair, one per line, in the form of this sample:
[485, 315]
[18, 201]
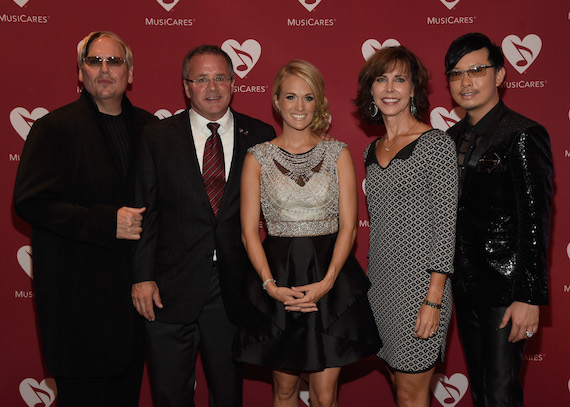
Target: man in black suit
[190, 262]
[75, 186]
[501, 266]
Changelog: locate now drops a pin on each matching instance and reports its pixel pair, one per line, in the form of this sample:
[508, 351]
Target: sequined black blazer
[504, 213]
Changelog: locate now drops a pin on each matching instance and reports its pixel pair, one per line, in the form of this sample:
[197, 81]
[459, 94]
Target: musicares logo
[22, 120]
[244, 56]
[164, 113]
[310, 4]
[38, 394]
[449, 391]
[521, 53]
[168, 4]
[370, 46]
[449, 4]
[21, 3]
[24, 257]
[441, 118]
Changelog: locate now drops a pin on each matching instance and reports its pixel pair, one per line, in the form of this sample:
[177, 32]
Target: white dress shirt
[201, 132]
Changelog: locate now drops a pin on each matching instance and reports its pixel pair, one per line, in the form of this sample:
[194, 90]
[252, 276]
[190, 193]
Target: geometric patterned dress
[412, 206]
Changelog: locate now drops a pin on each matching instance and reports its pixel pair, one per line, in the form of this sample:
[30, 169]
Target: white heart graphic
[521, 53]
[34, 393]
[369, 47]
[21, 3]
[449, 4]
[168, 4]
[244, 56]
[304, 396]
[22, 120]
[449, 391]
[441, 118]
[568, 250]
[25, 259]
[310, 4]
[164, 113]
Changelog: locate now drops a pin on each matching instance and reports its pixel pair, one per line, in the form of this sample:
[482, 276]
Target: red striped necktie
[213, 169]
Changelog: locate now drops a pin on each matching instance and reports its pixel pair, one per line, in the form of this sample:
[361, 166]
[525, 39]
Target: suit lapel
[234, 178]
[484, 142]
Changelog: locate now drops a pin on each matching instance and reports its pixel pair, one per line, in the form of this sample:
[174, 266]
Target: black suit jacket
[180, 231]
[69, 186]
[504, 213]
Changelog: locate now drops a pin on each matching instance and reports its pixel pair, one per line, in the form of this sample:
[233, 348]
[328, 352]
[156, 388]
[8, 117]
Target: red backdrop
[39, 40]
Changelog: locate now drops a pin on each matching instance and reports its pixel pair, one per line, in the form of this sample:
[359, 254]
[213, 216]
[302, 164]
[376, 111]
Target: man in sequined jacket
[501, 266]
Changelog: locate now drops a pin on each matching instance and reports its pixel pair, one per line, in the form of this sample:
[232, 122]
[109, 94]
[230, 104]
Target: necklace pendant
[386, 148]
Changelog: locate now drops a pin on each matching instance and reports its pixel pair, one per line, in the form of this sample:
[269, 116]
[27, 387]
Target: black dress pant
[122, 390]
[172, 351]
[493, 363]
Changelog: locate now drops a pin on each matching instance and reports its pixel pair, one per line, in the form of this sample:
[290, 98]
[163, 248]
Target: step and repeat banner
[39, 42]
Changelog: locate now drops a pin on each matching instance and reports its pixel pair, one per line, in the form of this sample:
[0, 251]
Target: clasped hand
[300, 299]
[129, 223]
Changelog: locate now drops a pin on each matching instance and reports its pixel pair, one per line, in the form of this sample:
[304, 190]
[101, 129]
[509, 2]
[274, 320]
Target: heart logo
[304, 396]
[568, 250]
[38, 394]
[441, 118]
[521, 53]
[21, 3]
[164, 113]
[25, 259]
[369, 47]
[449, 391]
[310, 4]
[244, 56]
[168, 4]
[449, 4]
[22, 120]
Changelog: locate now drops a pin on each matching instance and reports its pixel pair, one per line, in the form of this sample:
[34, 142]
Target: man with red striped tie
[190, 262]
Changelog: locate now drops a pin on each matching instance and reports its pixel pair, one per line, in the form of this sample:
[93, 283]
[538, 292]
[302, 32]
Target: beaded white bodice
[299, 192]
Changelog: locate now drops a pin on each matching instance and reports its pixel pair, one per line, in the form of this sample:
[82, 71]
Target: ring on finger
[529, 334]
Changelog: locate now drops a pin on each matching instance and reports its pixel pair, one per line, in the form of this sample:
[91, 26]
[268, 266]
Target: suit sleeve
[443, 179]
[44, 194]
[531, 170]
[146, 195]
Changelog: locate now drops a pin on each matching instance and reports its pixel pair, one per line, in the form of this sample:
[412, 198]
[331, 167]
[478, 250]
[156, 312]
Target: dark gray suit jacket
[180, 231]
[69, 186]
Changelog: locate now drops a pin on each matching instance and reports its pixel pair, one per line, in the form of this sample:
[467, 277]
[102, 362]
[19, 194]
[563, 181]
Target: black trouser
[172, 351]
[493, 362]
[121, 390]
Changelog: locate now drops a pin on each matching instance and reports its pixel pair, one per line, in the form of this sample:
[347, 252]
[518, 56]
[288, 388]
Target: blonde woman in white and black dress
[411, 192]
[307, 310]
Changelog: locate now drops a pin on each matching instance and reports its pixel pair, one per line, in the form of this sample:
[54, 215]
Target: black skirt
[342, 331]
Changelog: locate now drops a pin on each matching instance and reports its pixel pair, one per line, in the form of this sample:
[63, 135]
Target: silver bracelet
[431, 304]
[264, 284]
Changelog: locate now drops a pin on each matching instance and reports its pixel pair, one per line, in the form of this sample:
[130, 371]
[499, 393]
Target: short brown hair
[383, 61]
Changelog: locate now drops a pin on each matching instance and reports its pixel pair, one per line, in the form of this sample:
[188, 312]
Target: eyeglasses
[98, 61]
[475, 72]
[219, 80]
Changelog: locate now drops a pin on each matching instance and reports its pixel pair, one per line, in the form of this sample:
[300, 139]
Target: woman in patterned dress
[411, 192]
[307, 307]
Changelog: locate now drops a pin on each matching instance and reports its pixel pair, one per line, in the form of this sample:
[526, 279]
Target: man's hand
[524, 318]
[143, 295]
[129, 223]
